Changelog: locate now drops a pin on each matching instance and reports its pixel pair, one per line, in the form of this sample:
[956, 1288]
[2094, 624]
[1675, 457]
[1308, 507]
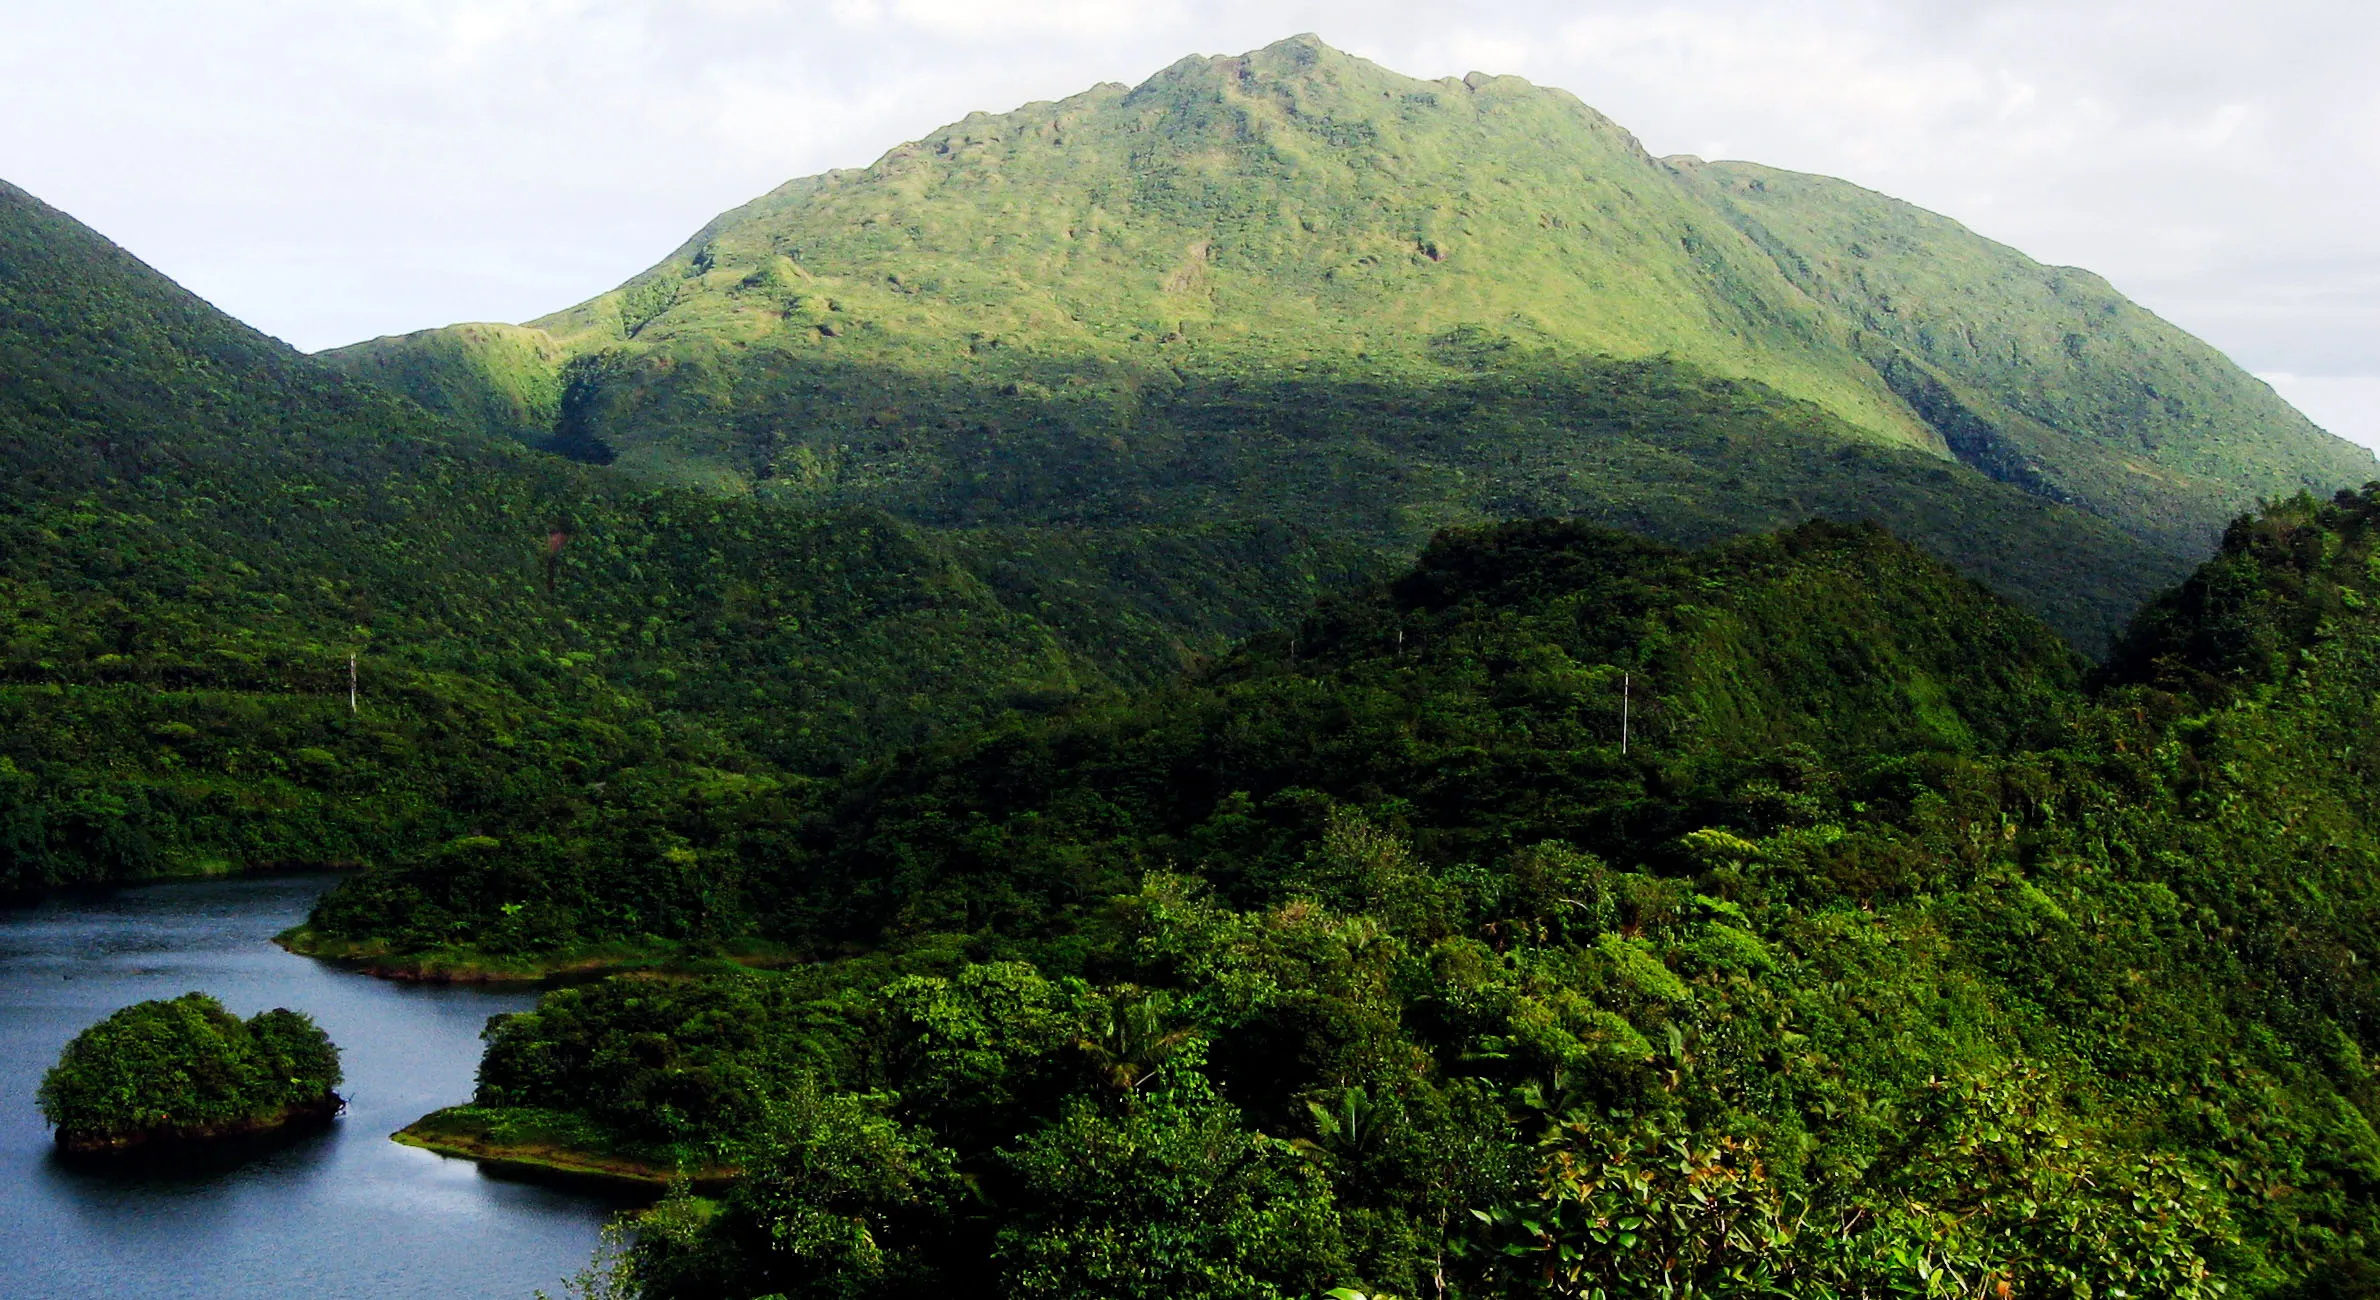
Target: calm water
[342, 1213]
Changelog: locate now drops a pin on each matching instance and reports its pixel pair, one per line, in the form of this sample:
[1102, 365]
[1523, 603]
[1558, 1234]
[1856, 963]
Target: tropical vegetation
[1885, 948]
[1283, 682]
[178, 1069]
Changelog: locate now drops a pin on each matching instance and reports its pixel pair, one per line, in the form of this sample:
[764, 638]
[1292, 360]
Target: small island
[185, 1069]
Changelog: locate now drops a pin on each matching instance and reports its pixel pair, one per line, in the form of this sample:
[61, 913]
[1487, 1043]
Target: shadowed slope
[199, 527]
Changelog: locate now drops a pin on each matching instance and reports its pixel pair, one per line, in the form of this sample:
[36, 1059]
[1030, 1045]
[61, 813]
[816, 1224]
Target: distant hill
[199, 527]
[1295, 285]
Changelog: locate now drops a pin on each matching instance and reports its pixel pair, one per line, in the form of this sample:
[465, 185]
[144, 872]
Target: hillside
[1293, 284]
[1885, 957]
[199, 527]
[2041, 376]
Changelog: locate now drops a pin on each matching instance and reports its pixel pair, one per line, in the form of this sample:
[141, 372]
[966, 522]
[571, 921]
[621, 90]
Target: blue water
[334, 1214]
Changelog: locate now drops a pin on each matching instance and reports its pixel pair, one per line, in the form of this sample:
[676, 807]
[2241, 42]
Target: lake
[330, 1215]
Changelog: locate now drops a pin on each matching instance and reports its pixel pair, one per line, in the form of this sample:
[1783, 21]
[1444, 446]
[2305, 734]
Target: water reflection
[336, 1212]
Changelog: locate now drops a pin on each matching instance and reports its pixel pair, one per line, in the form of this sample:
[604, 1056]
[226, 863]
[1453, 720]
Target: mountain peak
[1296, 214]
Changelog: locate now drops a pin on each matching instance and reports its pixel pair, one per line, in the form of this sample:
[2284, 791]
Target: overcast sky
[336, 170]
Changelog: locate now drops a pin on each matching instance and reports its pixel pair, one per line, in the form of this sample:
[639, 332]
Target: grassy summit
[1143, 304]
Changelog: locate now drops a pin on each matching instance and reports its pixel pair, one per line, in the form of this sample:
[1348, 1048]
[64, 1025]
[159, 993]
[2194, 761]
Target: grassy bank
[468, 965]
[547, 1144]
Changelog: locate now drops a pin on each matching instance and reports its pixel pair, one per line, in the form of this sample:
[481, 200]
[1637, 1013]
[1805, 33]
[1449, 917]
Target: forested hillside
[199, 528]
[1876, 952]
[1295, 285]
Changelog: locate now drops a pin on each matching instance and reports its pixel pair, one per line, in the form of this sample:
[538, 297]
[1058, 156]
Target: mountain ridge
[1300, 207]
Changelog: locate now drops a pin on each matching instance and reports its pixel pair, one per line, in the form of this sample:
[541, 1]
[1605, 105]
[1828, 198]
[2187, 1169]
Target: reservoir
[332, 1215]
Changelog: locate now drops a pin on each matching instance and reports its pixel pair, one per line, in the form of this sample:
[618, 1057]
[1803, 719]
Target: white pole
[351, 684]
[1623, 714]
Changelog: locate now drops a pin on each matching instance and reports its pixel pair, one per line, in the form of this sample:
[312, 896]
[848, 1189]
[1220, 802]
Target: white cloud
[1073, 18]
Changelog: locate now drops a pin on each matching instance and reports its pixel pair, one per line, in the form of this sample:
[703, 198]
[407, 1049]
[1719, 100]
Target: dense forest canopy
[1899, 954]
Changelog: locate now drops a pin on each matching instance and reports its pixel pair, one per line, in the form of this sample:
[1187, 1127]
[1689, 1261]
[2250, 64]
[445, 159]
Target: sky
[338, 169]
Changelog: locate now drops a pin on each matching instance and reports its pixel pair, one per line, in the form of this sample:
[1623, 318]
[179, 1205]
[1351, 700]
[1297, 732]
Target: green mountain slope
[1886, 958]
[1246, 286]
[499, 380]
[2042, 376]
[199, 527]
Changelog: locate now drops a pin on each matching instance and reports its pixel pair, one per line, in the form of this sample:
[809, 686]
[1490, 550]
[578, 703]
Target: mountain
[1293, 284]
[201, 530]
[1058, 848]
[1875, 949]
[2041, 376]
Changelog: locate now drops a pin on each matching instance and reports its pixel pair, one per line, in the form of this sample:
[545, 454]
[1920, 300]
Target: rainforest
[1891, 949]
[1287, 682]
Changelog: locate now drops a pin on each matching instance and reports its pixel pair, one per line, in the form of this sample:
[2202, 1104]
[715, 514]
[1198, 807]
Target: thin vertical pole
[351, 684]
[1623, 714]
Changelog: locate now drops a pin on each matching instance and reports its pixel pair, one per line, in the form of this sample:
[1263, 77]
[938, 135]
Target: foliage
[1991, 1194]
[185, 1066]
[199, 529]
[1893, 959]
[1166, 1194]
[837, 1199]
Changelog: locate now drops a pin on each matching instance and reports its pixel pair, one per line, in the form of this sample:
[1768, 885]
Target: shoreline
[530, 1146]
[454, 966]
[468, 966]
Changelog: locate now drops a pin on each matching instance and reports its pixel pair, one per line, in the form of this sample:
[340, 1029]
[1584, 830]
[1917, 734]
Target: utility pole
[351, 684]
[1623, 715]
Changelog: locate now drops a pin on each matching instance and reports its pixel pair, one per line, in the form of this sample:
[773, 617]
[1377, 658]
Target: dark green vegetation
[198, 528]
[1790, 915]
[1294, 285]
[1895, 955]
[184, 1068]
